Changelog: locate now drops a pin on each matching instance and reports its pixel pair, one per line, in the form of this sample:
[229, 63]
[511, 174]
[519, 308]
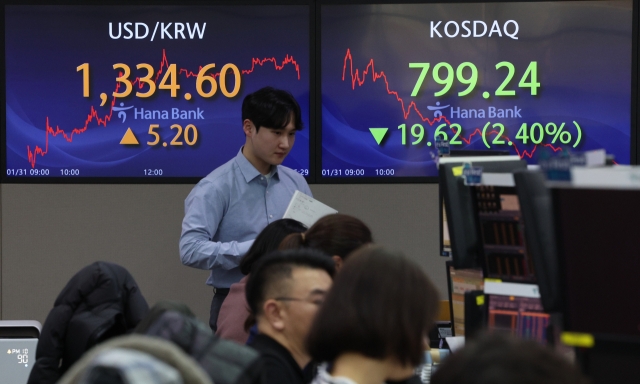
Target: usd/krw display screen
[142, 91]
[525, 77]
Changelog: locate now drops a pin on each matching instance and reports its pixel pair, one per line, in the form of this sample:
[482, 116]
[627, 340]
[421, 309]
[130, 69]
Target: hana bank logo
[437, 109]
[121, 111]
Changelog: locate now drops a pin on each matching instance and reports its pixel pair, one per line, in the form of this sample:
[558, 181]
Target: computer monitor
[516, 309]
[461, 281]
[445, 239]
[518, 316]
[458, 203]
[503, 250]
[19, 339]
[598, 245]
[537, 213]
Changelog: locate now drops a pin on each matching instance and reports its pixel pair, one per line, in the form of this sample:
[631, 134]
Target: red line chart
[94, 115]
[358, 77]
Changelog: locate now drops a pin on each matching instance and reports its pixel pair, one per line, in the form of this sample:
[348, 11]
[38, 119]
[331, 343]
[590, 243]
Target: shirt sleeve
[204, 209]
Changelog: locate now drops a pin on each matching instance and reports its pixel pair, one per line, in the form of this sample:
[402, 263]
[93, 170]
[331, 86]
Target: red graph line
[164, 63]
[358, 77]
[287, 60]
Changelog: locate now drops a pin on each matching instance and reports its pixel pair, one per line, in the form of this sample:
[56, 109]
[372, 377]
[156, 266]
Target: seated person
[224, 361]
[100, 302]
[284, 291]
[498, 359]
[374, 323]
[336, 235]
[234, 310]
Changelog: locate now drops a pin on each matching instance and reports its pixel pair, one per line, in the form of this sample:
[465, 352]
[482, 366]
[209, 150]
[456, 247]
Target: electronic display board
[517, 76]
[143, 92]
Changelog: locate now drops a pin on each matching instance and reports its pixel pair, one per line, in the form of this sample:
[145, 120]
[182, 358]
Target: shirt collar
[248, 170]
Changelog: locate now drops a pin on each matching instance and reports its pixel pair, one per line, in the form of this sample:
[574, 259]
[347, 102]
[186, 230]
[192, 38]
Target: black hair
[276, 268]
[271, 108]
[381, 305]
[498, 359]
[268, 240]
[337, 234]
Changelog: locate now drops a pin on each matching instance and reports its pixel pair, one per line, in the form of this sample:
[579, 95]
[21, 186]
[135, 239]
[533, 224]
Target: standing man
[228, 208]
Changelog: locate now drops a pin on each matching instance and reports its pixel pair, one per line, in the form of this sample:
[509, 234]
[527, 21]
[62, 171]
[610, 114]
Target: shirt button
[267, 191]
[262, 178]
[271, 216]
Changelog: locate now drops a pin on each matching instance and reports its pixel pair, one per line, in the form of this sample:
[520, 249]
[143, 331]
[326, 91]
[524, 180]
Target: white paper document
[306, 209]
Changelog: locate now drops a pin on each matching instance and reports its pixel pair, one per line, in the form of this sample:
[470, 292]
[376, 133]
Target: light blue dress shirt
[227, 210]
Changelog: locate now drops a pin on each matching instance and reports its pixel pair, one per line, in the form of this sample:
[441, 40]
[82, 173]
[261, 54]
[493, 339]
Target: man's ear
[273, 313]
[337, 260]
[247, 126]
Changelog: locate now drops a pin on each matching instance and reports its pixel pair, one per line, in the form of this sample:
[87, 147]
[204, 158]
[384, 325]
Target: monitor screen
[461, 281]
[16, 359]
[445, 239]
[516, 76]
[598, 243]
[518, 316]
[144, 92]
[459, 210]
[502, 239]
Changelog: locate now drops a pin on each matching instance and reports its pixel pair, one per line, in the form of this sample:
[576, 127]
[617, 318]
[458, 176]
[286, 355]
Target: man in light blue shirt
[227, 209]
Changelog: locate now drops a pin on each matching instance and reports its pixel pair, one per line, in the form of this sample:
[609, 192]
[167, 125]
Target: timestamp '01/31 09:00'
[41, 172]
[29, 172]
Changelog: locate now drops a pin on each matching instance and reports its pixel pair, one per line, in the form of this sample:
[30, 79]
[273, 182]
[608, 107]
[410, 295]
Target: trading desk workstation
[111, 113]
[552, 261]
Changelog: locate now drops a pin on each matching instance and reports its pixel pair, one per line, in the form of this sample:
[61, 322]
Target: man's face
[268, 146]
[308, 290]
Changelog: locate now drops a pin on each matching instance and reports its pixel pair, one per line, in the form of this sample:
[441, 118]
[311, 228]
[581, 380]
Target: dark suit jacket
[279, 367]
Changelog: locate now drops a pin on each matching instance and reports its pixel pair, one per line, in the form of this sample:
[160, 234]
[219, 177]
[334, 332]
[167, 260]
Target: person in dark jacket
[99, 302]
[224, 361]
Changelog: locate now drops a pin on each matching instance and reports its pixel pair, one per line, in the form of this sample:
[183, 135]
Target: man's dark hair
[275, 269]
[271, 108]
[268, 240]
[498, 359]
[336, 234]
[381, 305]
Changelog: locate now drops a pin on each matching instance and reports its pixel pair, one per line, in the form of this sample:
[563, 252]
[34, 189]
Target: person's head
[381, 306]
[498, 359]
[284, 291]
[270, 119]
[268, 240]
[336, 235]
